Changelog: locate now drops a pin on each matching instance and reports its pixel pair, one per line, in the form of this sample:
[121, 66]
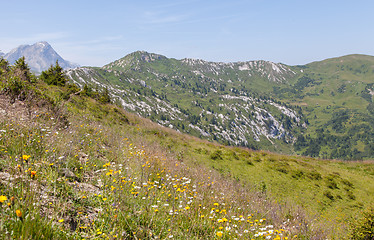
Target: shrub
[328, 194]
[14, 86]
[314, 175]
[216, 155]
[298, 174]
[330, 182]
[347, 183]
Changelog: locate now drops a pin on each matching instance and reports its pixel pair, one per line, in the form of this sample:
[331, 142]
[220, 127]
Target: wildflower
[219, 234]
[25, 157]
[18, 213]
[33, 174]
[61, 220]
[3, 198]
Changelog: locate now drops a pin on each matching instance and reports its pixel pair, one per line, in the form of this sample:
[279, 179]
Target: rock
[5, 176]
[86, 188]
[82, 157]
[65, 172]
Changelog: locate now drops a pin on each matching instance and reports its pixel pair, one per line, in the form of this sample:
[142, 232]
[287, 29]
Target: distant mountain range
[39, 56]
[322, 109]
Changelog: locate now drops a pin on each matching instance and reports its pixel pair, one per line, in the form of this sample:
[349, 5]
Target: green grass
[76, 168]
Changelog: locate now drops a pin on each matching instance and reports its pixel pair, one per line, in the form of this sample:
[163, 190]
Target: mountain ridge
[257, 104]
[39, 56]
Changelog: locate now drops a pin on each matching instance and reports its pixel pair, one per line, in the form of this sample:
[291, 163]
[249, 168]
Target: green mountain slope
[73, 167]
[336, 96]
[216, 101]
[322, 109]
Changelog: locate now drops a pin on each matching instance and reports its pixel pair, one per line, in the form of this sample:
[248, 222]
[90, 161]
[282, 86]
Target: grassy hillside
[214, 101]
[323, 109]
[336, 96]
[72, 167]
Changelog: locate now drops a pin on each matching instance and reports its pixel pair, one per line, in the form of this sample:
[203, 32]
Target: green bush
[14, 86]
[328, 194]
[216, 155]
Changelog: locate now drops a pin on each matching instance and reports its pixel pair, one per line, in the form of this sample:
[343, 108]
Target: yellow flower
[33, 174]
[61, 220]
[25, 157]
[219, 234]
[3, 198]
[18, 213]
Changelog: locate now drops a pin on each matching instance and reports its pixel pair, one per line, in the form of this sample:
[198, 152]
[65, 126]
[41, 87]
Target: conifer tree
[54, 75]
[104, 96]
[22, 70]
[4, 66]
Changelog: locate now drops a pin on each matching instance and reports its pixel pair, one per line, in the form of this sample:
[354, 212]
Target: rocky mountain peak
[39, 56]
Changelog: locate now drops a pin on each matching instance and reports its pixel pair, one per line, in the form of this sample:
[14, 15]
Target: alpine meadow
[150, 147]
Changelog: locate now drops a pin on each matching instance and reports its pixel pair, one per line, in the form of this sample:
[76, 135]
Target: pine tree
[104, 96]
[4, 66]
[54, 75]
[22, 70]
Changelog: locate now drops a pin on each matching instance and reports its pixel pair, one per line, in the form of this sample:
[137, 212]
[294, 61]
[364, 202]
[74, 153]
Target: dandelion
[219, 234]
[3, 198]
[25, 157]
[18, 213]
[61, 220]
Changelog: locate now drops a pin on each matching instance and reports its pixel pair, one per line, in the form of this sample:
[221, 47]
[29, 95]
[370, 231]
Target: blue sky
[95, 33]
